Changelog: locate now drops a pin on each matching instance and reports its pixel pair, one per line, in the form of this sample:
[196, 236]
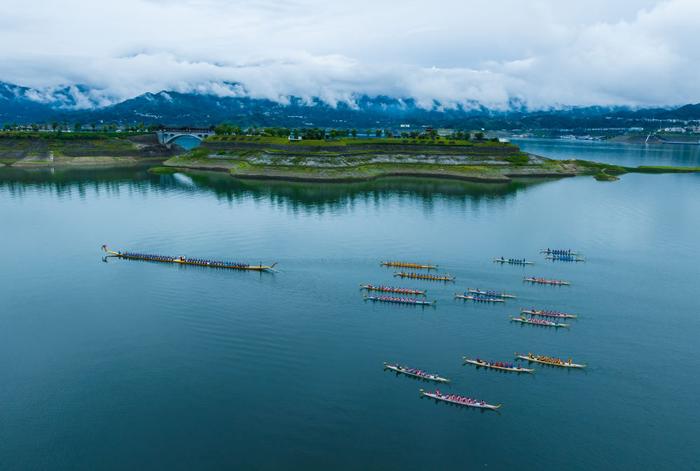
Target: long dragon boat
[559, 252]
[415, 373]
[490, 293]
[394, 289]
[181, 260]
[513, 261]
[545, 360]
[540, 322]
[418, 266]
[551, 314]
[565, 258]
[544, 281]
[396, 300]
[424, 276]
[497, 365]
[459, 400]
[478, 299]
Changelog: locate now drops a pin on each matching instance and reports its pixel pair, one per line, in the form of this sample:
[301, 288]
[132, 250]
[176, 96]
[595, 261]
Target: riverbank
[43, 149]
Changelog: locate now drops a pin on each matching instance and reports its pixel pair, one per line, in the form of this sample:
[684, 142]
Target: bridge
[167, 136]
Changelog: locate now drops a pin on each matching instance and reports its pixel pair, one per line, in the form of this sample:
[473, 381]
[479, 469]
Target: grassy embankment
[37, 149]
[362, 159]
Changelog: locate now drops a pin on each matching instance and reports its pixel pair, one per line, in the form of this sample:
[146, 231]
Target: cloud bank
[455, 52]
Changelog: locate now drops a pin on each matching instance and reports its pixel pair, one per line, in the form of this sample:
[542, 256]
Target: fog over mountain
[445, 54]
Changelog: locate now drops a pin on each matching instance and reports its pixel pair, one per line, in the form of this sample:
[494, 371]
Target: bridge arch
[168, 136]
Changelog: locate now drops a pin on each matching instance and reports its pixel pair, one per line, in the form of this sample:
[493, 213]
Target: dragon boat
[478, 299]
[182, 260]
[551, 314]
[490, 293]
[418, 266]
[394, 289]
[544, 281]
[513, 261]
[415, 373]
[540, 322]
[479, 363]
[459, 400]
[396, 300]
[546, 360]
[424, 276]
[559, 252]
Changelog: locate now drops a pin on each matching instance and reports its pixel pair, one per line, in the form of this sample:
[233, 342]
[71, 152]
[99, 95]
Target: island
[356, 159]
[341, 159]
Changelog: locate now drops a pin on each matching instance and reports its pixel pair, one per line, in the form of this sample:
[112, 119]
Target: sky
[546, 53]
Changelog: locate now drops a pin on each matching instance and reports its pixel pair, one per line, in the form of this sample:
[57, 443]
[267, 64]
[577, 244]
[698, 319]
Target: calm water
[135, 365]
[685, 155]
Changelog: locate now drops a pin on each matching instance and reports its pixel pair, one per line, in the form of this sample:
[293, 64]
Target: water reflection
[294, 195]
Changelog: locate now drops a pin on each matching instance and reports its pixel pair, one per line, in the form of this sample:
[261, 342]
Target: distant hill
[78, 103]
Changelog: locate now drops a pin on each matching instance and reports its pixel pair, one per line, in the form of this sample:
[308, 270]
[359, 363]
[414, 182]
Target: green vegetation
[518, 159]
[348, 141]
[49, 148]
[662, 169]
[603, 176]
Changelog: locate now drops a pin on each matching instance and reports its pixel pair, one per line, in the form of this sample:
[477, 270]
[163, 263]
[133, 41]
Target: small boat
[394, 289]
[545, 360]
[418, 266]
[487, 364]
[490, 293]
[513, 261]
[181, 260]
[459, 400]
[566, 252]
[544, 281]
[552, 314]
[565, 258]
[415, 373]
[423, 276]
[478, 299]
[540, 322]
[393, 299]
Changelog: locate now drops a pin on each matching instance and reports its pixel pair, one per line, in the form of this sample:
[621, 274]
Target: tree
[378, 133]
[353, 132]
[77, 127]
[479, 136]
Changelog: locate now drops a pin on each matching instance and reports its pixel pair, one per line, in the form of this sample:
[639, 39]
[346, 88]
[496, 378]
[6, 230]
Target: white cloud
[546, 52]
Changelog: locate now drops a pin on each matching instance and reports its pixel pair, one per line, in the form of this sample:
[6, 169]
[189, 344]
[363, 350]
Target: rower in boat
[490, 293]
[415, 373]
[393, 289]
[541, 322]
[478, 299]
[187, 261]
[422, 276]
[547, 360]
[513, 261]
[397, 300]
[551, 314]
[459, 400]
[564, 252]
[419, 266]
[498, 365]
[544, 281]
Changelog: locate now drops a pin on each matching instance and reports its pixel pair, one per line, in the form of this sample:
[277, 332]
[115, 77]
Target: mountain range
[79, 103]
